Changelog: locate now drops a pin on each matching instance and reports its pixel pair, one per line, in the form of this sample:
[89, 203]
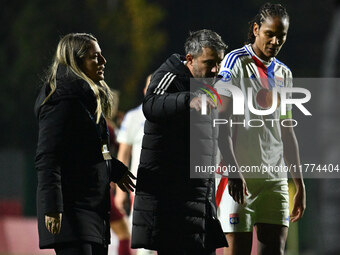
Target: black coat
[170, 208]
[73, 177]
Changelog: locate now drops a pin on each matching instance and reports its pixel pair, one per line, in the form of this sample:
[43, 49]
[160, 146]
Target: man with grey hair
[173, 213]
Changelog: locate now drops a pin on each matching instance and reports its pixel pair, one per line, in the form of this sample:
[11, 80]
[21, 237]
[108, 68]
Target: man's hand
[126, 183]
[196, 103]
[299, 204]
[53, 222]
[237, 189]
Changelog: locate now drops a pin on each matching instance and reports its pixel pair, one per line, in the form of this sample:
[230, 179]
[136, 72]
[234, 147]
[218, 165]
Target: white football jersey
[131, 132]
[257, 138]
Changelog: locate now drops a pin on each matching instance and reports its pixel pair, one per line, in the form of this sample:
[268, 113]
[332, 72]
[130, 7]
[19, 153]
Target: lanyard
[105, 141]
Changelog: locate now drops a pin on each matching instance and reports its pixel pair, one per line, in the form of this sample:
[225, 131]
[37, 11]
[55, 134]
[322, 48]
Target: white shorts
[267, 202]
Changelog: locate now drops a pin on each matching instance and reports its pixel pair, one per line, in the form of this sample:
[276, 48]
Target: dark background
[136, 36]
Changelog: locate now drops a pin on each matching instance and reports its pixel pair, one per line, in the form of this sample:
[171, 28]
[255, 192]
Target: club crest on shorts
[234, 218]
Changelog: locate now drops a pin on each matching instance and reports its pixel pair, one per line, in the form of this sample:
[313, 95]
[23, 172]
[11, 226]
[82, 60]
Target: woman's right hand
[53, 222]
[126, 183]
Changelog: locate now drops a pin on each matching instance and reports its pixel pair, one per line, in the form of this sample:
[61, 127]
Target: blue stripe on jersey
[270, 74]
[280, 63]
[231, 65]
[235, 56]
[245, 47]
[232, 54]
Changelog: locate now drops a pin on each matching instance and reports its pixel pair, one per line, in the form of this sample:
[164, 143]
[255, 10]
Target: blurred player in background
[118, 219]
[130, 144]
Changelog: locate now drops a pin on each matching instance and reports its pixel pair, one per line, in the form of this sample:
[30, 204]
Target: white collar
[266, 63]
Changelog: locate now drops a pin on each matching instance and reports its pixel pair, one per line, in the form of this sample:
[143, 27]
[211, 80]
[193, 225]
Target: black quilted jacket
[73, 177]
[170, 208]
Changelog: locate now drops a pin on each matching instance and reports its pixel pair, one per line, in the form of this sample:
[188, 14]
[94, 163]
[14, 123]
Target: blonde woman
[73, 161]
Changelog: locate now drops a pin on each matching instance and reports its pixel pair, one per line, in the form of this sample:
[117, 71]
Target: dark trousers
[81, 248]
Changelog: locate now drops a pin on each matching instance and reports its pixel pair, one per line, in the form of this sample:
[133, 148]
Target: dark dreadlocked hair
[267, 10]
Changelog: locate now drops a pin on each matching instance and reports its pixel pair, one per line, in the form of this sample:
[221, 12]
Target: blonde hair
[70, 51]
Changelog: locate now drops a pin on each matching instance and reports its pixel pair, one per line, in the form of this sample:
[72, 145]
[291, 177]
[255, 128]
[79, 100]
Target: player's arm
[236, 182]
[292, 158]
[124, 155]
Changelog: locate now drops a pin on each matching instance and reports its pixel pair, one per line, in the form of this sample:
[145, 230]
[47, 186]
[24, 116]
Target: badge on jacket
[106, 152]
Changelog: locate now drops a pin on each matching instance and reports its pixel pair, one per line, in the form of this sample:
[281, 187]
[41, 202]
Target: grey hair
[203, 39]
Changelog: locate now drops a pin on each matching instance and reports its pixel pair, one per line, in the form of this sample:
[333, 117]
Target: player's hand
[126, 183]
[237, 189]
[196, 103]
[299, 204]
[53, 222]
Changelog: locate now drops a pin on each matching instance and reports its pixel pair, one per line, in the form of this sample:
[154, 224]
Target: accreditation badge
[106, 152]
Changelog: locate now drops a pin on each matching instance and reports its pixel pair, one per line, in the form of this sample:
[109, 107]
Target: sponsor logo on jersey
[234, 218]
[226, 76]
